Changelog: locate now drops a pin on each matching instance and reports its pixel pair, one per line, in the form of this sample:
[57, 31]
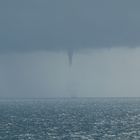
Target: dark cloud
[68, 24]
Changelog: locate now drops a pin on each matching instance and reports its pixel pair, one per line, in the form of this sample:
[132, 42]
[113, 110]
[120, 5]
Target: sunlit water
[70, 119]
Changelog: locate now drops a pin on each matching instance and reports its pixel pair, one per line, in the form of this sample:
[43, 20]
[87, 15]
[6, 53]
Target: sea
[70, 119]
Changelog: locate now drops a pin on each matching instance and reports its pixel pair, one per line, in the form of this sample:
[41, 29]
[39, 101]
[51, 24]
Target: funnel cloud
[70, 55]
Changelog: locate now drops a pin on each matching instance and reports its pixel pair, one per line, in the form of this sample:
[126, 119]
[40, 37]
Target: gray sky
[101, 36]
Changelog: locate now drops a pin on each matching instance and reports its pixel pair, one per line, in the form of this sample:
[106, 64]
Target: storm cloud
[68, 24]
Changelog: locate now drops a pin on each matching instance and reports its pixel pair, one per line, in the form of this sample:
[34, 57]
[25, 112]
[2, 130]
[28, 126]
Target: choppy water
[70, 119]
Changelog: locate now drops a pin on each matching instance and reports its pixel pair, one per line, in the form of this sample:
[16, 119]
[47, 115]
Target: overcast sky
[101, 39]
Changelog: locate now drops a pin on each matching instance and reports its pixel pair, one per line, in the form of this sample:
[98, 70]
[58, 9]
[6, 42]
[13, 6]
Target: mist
[96, 73]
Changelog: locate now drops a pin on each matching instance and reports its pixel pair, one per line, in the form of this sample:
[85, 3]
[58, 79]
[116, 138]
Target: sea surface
[70, 119]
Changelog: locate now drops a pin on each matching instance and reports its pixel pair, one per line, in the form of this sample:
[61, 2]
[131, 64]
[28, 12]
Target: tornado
[70, 56]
